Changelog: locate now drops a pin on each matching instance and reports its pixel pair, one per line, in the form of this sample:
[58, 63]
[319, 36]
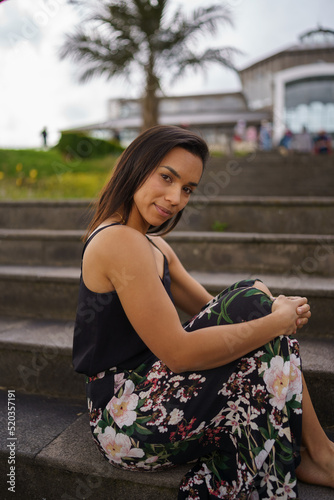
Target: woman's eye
[166, 177]
[188, 190]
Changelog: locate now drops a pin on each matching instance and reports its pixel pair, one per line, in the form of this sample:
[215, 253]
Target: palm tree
[120, 37]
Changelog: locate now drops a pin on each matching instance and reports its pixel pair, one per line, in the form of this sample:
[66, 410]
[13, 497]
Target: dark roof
[303, 46]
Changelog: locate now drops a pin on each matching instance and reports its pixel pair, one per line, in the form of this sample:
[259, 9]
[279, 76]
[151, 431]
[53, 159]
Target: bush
[80, 145]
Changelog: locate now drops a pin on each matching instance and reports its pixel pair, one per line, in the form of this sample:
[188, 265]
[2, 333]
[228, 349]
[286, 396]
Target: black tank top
[103, 336]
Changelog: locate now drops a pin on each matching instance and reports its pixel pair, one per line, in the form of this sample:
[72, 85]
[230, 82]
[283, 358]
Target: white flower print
[251, 366]
[198, 430]
[118, 446]
[182, 396]
[287, 488]
[207, 310]
[156, 372]
[151, 460]
[267, 478]
[254, 495]
[218, 418]
[233, 421]
[274, 497]
[122, 409]
[144, 394]
[276, 378]
[299, 397]
[263, 367]
[175, 416]
[119, 380]
[295, 380]
[159, 416]
[260, 458]
[249, 417]
[177, 378]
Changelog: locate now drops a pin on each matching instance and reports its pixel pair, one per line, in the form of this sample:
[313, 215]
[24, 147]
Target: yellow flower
[19, 181]
[33, 173]
[19, 167]
[2, 175]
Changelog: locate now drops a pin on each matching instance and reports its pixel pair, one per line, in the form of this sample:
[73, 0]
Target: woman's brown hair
[139, 159]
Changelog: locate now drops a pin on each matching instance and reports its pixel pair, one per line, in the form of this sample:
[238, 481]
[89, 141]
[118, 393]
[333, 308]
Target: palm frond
[183, 30]
[94, 52]
[191, 60]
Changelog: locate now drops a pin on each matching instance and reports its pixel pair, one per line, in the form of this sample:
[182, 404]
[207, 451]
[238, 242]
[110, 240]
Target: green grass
[34, 174]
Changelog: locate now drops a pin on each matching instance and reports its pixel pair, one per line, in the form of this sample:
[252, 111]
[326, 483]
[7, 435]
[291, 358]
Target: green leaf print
[142, 430]
[143, 420]
[102, 424]
[141, 402]
[277, 346]
[212, 466]
[293, 403]
[264, 432]
[129, 430]
[105, 415]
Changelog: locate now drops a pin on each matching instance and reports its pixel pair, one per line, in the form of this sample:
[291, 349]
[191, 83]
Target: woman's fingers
[302, 308]
[303, 320]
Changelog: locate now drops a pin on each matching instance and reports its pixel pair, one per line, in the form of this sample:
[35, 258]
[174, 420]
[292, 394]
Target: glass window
[310, 103]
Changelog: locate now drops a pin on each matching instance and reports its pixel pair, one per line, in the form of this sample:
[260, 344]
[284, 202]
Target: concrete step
[52, 293]
[254, 252]
[44, 214]
[265, 214]
[56, 459]
[41, 247]
[257, 175]
[198, 250]
[36, 358]
[39, 292]
[260, 214]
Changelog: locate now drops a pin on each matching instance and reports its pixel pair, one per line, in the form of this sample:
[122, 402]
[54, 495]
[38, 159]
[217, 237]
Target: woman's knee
[249, 303]
[261, 286]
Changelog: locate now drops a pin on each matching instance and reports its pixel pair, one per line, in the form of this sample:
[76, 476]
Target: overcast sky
[37, 89]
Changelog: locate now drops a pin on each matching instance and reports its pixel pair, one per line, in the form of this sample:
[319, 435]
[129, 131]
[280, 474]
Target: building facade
[295, 85]
[292, 89]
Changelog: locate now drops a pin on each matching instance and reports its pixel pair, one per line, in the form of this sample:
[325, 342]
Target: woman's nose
[173, 195]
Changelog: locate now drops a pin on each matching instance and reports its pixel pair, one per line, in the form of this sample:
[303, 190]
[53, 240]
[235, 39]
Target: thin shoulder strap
[95, 233]
[156, 246]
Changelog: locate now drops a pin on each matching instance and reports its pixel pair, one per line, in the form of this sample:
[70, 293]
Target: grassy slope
[33, 174]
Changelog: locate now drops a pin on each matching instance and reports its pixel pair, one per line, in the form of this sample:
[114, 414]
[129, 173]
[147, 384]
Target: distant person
[251, 135]
[304, 142]
[286, 141]
[240, 131]
[44, 134]
[116, 136]
[265, 140]
[322, 143]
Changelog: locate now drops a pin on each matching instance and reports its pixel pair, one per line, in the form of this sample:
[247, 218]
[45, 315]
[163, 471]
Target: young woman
[224, 389]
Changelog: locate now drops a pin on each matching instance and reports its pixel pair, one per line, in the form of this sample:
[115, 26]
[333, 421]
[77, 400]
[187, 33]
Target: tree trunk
[150, 101]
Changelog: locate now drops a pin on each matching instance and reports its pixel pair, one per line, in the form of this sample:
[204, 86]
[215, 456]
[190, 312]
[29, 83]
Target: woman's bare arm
[129, 262]
[189, 295]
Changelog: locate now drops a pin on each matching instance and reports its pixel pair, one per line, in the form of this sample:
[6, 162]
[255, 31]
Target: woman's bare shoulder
[163, 246]
[117, 242]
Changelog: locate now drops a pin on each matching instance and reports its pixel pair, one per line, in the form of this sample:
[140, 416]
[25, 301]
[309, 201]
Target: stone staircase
[286, 239]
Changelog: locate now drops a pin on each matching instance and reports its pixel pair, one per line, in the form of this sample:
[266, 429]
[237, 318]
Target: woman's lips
[164, 212]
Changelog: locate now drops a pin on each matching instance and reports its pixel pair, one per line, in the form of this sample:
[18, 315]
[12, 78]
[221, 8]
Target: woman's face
[167, 189]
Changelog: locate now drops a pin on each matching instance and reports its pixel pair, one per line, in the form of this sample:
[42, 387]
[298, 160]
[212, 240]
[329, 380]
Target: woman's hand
[294, 312]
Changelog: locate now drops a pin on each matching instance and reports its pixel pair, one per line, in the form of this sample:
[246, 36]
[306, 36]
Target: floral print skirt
[239, 424]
